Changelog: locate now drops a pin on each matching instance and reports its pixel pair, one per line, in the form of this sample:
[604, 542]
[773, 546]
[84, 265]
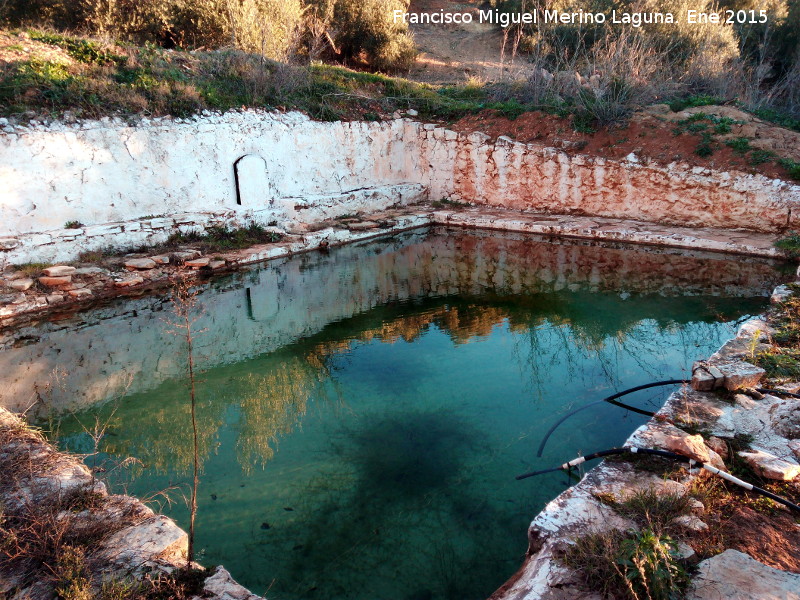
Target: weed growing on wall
[635, 565]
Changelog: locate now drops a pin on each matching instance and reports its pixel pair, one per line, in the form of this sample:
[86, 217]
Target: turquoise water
[371, 454]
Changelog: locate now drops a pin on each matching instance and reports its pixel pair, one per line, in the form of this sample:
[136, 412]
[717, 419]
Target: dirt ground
[455, 53]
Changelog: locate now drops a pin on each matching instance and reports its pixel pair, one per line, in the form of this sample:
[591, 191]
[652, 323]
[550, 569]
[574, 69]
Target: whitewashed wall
[130, 185]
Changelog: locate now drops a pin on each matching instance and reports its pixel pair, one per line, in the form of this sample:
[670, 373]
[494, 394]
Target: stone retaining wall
[123, 185]
[128, 539]
[771, 423]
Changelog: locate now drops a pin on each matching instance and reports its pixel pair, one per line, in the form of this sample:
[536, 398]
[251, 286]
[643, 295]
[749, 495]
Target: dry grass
[48, 534]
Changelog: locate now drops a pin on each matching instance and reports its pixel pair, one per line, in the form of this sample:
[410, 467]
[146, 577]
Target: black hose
[610, 399]
[671, 455]
[785, 393]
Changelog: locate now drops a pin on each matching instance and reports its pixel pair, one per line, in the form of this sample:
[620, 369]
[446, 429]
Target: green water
[373, 455]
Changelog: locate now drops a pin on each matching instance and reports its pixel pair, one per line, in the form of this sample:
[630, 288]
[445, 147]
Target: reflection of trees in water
[271, 407]
[587, 338]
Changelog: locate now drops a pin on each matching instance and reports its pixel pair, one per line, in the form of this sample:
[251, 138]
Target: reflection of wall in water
[261, 310]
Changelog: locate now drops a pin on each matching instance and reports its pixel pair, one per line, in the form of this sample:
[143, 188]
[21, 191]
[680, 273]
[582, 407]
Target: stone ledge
[136, 541]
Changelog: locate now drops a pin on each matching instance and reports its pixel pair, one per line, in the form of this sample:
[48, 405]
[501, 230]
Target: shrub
[635, 565]
[740, 145]
[365, 30]
[789, 245]
[792, 167]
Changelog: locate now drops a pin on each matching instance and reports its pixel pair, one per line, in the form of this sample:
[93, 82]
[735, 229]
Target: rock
[128, 282]
[80, 293]
[216, 264]
[140, 264]
[161, 259]
[687, 554]
[55, 281]
[186, 255]
[733, 575]
[221, 585]
[718, 445]
[702, 380]
[90, 271]
[21, 284]
[362, 226]
[54, 298]
[706, 377]
[697, 507]
[794, 446]
[8, 243]
[780, 294]
[197, 263]
[158, 537]
[689, 523]
[59, 271]
[786, 419]
[770, 466]
[412, 113]
[671, 438]
[740, 374]
[746, 402]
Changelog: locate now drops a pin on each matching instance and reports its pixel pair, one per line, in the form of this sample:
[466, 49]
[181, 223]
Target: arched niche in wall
[250, 173]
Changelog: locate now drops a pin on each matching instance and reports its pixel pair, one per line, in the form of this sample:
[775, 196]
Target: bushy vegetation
[108, 79]
[351, 31]
[610, 69]
[635, 565]
[229, 53]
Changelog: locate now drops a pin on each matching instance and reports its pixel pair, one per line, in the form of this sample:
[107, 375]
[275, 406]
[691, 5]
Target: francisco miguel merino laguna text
[635, 19]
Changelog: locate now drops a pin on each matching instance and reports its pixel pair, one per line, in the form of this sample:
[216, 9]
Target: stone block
[786, 419]
[221, 585]
[702, 380]
[140, 264]
[8, 243]
[81, 293]
[734, 575]
[186, 255]
[780, 294]
[59, 271]
[21, 284]
[669, 437]
[103, 230]
[160, 223]
[690, 523]
[794, 446]
[129, 281]
[718, 445]
[770, 466]
[197, 263]
[740, 374]
[161, 259]
[362, 226]
[158, 537]
[55, 281]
